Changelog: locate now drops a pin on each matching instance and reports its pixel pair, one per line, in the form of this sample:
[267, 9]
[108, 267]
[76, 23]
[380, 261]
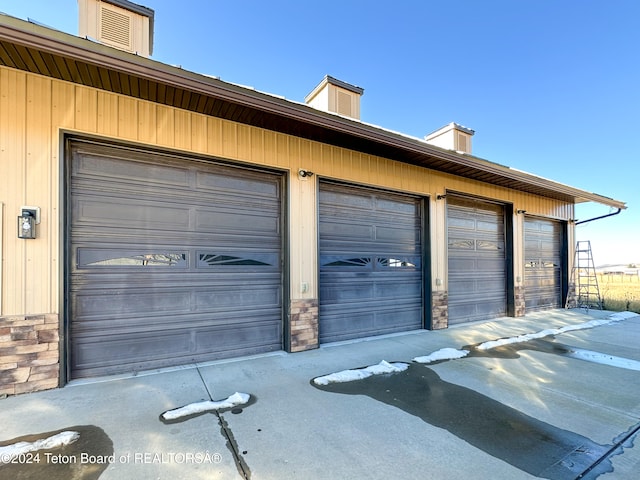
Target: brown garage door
[543, 250]
[476, 259]
[371, 277]
[171, 260]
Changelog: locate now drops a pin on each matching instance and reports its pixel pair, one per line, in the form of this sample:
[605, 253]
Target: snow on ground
[442, 354]
[519, 339]
[207, 406]
[603, 359]
[10, 452]
[616, 317]
[452, 353]
[622, 316]
[360, 373]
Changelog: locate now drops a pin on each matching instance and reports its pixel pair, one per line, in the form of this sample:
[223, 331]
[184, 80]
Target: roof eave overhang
[418, 152]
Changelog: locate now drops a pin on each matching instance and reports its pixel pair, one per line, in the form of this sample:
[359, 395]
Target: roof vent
[333, 95]
[452, 137]
[118, 23]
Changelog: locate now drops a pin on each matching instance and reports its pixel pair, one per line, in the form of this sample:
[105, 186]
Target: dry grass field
[620, 292]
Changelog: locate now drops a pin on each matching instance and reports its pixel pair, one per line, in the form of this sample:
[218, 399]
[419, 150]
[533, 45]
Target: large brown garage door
[477, 261]
[543, 250]
[171, 260]
[370, 263]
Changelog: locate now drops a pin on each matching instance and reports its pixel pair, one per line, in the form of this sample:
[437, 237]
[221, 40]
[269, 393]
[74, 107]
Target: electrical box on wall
[27, 221]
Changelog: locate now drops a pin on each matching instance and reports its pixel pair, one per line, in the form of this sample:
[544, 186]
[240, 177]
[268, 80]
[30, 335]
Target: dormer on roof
[333, 95]
[117, 23]
[452, 137]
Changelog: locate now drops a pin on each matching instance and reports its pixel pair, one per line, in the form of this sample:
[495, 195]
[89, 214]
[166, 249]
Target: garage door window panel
[207, 260]
[88, 258]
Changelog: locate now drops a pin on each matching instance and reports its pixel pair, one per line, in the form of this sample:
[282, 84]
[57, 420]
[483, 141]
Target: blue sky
[551, 87]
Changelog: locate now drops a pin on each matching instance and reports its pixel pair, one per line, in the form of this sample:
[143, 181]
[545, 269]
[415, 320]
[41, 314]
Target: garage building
[179, 218]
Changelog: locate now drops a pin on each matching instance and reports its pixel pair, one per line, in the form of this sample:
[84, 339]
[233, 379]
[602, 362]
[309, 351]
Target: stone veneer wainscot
[29, 353]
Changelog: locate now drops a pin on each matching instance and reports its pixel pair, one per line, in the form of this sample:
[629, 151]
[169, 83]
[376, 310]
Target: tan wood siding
[38, 174]
[12, 181]
[33, 110]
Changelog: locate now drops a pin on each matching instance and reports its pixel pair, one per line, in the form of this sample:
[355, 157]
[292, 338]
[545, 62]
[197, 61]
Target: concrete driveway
[562, 406]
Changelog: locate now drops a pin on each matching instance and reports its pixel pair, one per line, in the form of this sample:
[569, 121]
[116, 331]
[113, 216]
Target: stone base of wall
[520, 305]
[439, 310]
[29, 354]
[303, 322]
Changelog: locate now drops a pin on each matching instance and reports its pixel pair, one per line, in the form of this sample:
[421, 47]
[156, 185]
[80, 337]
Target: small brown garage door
[543, 250]
[477, 261]
[371, 279]
[171, 260]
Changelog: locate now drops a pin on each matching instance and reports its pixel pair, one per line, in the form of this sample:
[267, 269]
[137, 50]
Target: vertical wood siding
[13, 165]
[33, 110]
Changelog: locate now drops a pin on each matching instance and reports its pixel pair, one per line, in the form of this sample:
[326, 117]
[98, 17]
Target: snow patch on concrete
[361, 373]
[13, 451]
[207, 406]
[603, 359]
[442, 354]
[616, 317]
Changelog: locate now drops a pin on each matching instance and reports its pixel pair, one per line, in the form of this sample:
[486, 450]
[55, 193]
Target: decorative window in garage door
[216, 260]
[88, 257]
